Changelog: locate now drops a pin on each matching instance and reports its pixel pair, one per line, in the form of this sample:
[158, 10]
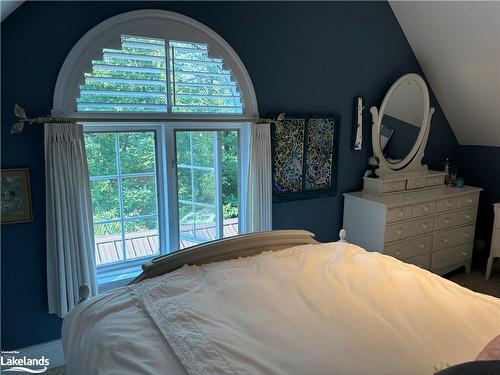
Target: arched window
[168, 105]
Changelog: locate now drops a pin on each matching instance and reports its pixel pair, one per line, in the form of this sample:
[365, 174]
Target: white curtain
[259, 202]
[70, 240]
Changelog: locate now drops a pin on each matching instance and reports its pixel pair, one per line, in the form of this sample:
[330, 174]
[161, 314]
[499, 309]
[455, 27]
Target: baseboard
[51, 349]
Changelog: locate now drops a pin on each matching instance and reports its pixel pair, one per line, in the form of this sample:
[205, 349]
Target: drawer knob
[466, 235]
[426, 209]
[445, 240]
[396, 186]
[396, 252]
[448, 204]
[421, 246]
[417, 183]
[399, 231]
[401, 213]
[464, 253]
[467, 217]
[469, 200]
[424, 225]
[447, 220]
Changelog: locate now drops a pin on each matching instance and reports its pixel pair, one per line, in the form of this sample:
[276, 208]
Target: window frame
[152, 23]
[167, 25]
[166, 179]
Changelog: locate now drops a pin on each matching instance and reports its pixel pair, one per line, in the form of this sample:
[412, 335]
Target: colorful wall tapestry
[304, 157]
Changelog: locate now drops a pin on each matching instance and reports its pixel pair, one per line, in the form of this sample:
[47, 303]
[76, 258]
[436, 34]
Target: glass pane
[141, 238]
[203, 148]
[139, 196]
[197, 225]
[101, 156]
[197, 180]
[230, 173]
[183, 147]
[130, 79]
[184, 187]
[199, 80]
[108, 242]
[204, 186]
[186, 217]
[105, 204]
[137, 152]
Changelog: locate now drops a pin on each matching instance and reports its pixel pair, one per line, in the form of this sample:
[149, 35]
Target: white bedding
[316, 309]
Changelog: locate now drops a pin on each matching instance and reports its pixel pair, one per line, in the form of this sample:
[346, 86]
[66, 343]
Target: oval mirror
[402, 120]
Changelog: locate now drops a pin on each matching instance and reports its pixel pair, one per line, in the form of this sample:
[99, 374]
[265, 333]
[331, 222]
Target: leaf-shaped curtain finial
[20, 112]
[17, 128]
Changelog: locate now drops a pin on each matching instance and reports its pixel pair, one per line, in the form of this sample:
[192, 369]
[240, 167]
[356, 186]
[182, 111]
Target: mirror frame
[422, 135]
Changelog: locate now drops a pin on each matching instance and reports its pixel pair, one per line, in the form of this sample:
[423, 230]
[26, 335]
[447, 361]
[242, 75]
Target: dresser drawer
[399, 250]
[422, 261]
[451, 256]
[412, 228]
[399, 213]
[468, 200]
[396, 232]
[421, 245]
[452, 219]
[434, 181]
[453, 237]
[415, 183]
[409, 248]
[390, 187]
[447, 204]
[421, 226]
[423, 209]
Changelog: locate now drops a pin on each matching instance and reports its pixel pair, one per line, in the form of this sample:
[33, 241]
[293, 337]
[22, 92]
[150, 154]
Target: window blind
[200, 82]
[137, 78]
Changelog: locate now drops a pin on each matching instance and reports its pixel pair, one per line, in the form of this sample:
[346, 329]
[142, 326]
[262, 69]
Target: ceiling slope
[458, 47]
[8, 6]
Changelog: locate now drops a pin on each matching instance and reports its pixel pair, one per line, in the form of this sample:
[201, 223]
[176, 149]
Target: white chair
[495, 241]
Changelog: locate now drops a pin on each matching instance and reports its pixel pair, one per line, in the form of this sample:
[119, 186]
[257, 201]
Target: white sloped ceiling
[458, 47]
[8, 6]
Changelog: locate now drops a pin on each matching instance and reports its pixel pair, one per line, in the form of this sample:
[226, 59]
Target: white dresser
[405, 210]
[432, 228]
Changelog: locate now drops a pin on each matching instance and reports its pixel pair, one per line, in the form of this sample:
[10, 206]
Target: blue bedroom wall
[302, 58]
[480, 166]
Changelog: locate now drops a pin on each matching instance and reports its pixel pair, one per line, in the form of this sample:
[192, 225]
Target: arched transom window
[169, 105]
[155, 75]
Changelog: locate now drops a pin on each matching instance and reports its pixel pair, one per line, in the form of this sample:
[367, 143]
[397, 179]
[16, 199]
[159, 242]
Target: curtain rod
[22, 119]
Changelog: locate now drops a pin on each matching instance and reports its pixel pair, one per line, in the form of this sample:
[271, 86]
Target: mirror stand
[415, 165]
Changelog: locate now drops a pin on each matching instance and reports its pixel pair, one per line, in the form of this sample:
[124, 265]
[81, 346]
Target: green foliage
[196, 169]
[136, 154]
[198, 82]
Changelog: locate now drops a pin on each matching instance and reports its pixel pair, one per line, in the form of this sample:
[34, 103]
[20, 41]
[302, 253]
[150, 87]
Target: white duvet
[315, 309]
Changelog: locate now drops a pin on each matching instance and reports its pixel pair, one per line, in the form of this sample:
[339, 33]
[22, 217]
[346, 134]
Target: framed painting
[305, 157]
[16, 196]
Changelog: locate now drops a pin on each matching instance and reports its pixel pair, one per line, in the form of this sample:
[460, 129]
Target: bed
[279, 303]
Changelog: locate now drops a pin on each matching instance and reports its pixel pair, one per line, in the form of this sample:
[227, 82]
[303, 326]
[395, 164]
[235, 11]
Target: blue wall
[302, 58]
[480, 166]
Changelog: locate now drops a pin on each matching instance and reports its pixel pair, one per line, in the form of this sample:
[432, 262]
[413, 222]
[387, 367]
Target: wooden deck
[143, 244]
